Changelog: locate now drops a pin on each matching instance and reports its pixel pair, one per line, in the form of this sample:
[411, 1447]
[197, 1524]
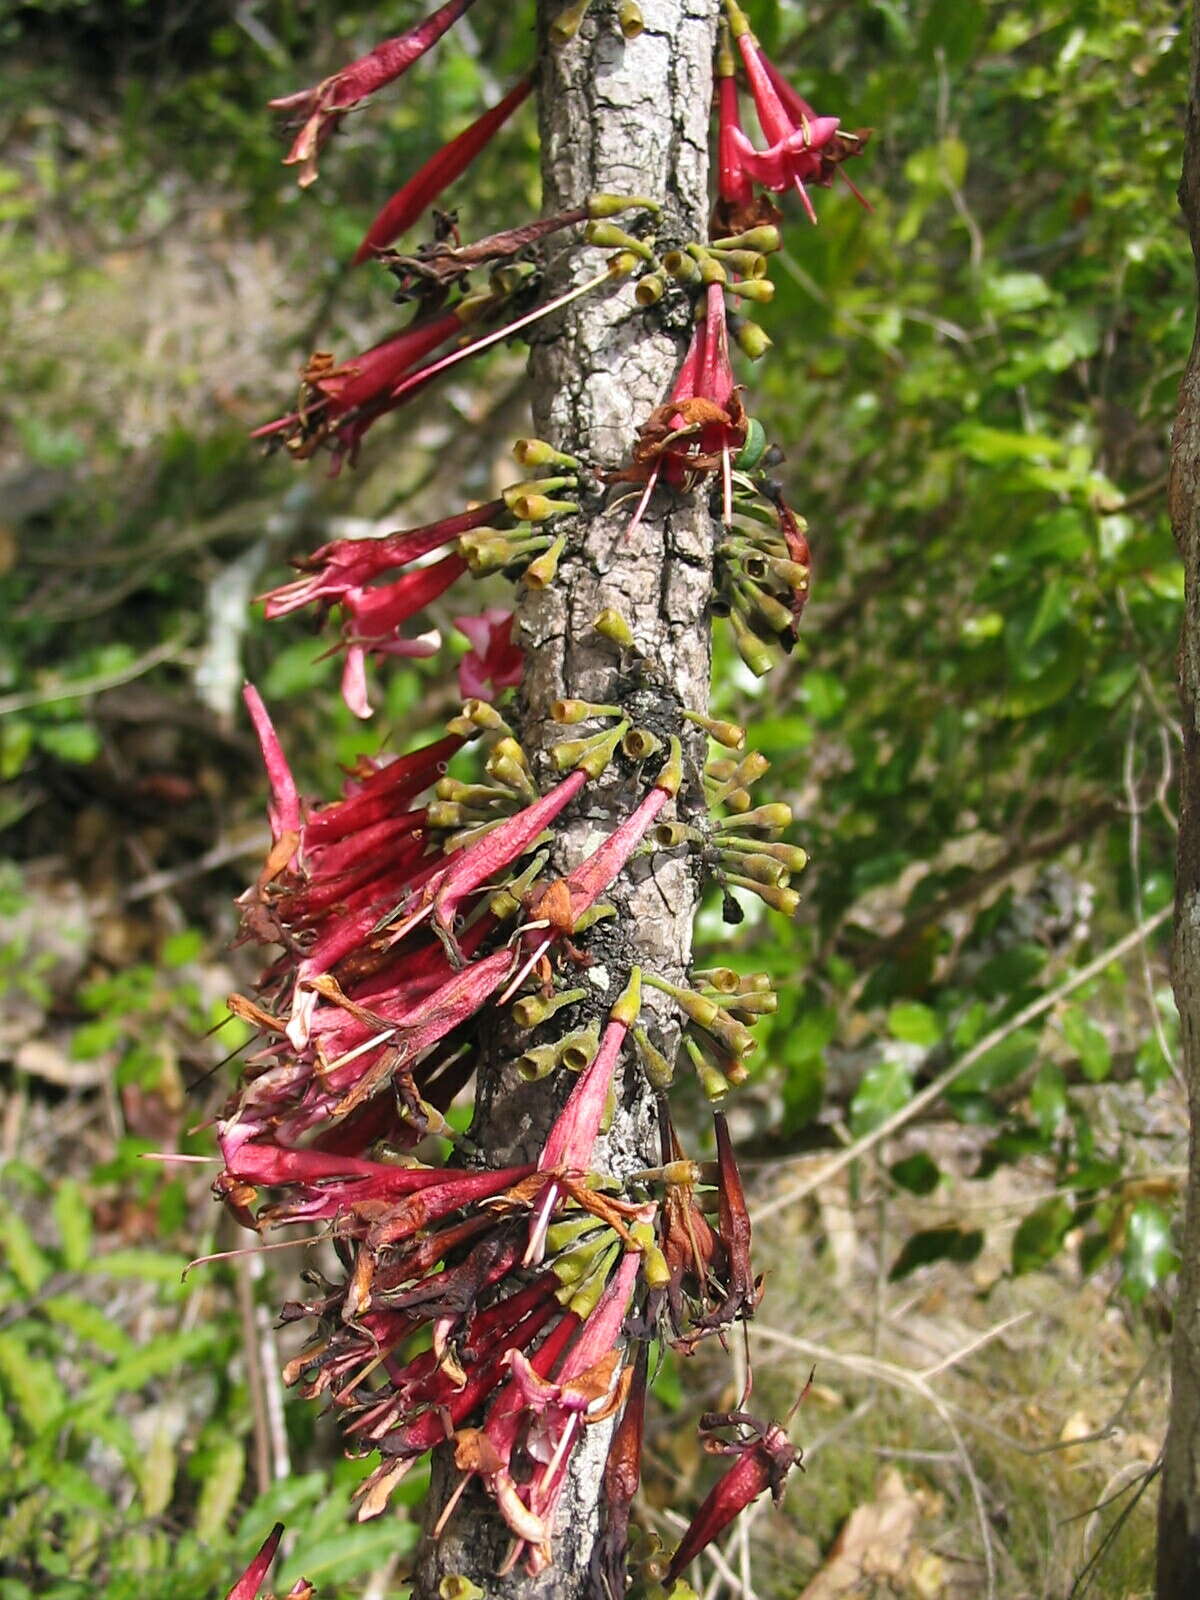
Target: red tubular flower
[622, 1476]
[468, 869]
[382, 792]
[284, 809]
[734, 184]
[702, 424]
[450, 162]
[564, 901]
[493, 662]
[350, 397]
[793, 155]
[251, 1581]
[323, 106]
[840, 148]
[762, 1463]
[348, 564]
[585, 1389]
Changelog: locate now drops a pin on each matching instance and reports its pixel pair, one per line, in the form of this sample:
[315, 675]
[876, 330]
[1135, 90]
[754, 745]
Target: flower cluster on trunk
[418, 916]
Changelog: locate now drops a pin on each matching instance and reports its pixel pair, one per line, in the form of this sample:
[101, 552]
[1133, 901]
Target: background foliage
[974, 384]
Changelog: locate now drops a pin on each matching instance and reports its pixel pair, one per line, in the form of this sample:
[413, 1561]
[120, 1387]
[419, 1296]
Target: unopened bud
[785, 901]
[516, 491]
[750, 263]
[713, 1084]
[671, 776]
[750, 647]
[609, 237]
[659, 1071]
[772, 818]
[752, 340]
[611, 205]
[539, 574]
[760, 290]
[765, 238]
[537, 453]
[593, 754]
[711, 270]
[725, 733]
[753, 865]
[629, 1004]
[613, 626]
[512, 775]
[539, 507]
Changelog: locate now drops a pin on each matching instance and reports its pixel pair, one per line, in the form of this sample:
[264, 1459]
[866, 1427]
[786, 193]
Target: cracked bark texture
[626, 117]
[1179, 1503]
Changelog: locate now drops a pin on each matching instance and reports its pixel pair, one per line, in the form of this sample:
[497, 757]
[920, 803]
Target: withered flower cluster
[418, 916]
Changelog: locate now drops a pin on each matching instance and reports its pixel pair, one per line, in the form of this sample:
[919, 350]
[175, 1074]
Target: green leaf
[1148, 1256]
[1007, 292]
[89, 1323]
[220, 1489]
[914, 1023]
[961, 1245]
[885, 1089]
[1039, 1238]
[25, 1258]
[166, 1353]
[998, 1066]
[1087, 1040]
[1048, 1098]
[154, 1266]
[918, 1173]
[74, 1218]
[346, 1556]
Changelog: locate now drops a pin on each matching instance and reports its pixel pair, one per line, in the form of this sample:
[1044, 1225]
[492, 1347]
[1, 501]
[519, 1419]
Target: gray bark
[629, 118]
[1179, 1504]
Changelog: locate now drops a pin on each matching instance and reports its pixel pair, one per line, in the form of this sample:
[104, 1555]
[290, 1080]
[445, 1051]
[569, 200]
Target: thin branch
[934, 1091]
[54, 694]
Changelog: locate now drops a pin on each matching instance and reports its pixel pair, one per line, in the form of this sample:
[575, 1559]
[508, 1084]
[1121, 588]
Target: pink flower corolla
[493, 662]
[701, 425]
[339, 403]
[445, 1403]
[345, 565]
[324, 105]
[321, 1186]
[795, 137]
[585, 1389]
[569, 1144]
[450, 162]
[557, 908]
[373, 618]
[467, 870]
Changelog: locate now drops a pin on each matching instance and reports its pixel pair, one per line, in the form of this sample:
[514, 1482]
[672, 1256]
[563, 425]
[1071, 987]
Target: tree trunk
[627, 118]
[1179, 1505]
